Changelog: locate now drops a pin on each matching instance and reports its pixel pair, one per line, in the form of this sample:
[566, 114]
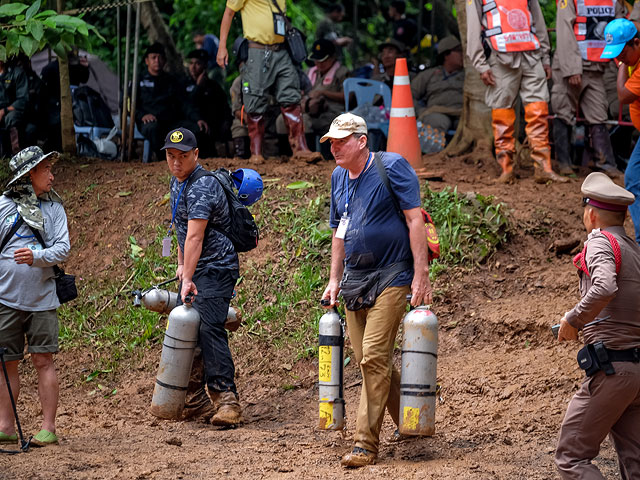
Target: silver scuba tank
[159, 300]
[331, 371]
[418, 374]
[164, 301]
[180, 339]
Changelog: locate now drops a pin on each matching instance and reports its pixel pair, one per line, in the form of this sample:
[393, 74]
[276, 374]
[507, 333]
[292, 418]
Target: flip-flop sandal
[44, 438]
[8, 439]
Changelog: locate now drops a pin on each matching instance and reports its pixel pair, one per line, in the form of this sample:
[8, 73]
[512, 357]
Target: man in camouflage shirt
[207, 266]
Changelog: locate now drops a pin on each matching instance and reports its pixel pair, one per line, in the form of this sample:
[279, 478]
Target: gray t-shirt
[32, 288]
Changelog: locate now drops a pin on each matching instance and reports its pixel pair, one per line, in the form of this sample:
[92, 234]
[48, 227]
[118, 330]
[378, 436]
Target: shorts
[40, 328]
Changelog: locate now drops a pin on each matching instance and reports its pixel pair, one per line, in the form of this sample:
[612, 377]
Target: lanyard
[175, 206]
[347, 197]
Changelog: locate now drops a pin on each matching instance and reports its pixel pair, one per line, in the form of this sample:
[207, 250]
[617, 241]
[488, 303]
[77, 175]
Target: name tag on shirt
[147, 83]
[341, 231]
[278, 24]
[35, 246]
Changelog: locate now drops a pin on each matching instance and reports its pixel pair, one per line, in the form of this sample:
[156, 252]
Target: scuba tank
[180, 339]
[164, 301]
[159, 300]
[331, 371]
[418, 374]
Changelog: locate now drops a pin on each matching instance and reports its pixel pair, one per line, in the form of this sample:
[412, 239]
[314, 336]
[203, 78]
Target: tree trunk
[157, 31]
[474, 130]
[67, 131]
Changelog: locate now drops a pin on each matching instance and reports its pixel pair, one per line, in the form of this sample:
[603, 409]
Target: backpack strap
[580, 260]
[387, 184]
[12, 232]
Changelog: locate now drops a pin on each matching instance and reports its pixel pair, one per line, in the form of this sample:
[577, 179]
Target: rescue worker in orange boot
[578, 80]
[268, 68]
[513, 59]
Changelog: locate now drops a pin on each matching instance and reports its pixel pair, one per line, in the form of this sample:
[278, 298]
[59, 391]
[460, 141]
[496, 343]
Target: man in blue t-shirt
[207, 266]
[378, 256]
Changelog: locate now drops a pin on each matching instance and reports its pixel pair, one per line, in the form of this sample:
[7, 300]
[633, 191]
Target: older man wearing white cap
[609, 316]
[34, 236]
[378, 256]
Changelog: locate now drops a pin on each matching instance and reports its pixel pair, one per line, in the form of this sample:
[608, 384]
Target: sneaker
[358, 457]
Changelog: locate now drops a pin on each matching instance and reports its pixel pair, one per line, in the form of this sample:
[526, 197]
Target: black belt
[630, 355]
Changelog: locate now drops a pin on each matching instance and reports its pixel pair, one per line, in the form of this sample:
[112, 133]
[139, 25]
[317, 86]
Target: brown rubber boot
[255, 125]
[229, 412]
[537, 128]
[15, 140]
[292, 116]
[200, 404]
[503, 121]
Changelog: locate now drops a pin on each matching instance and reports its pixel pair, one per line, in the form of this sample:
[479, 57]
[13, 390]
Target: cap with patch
[199, 54]
[321, 50]
[156, 47]
[447, 43]
[393, 43]
[23, 161]
[345, 125]
[180, 138]
[617, 33]
[599, 191]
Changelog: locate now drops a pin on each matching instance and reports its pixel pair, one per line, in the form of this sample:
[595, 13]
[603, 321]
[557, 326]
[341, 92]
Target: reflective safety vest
[591, 18]
[508, 25]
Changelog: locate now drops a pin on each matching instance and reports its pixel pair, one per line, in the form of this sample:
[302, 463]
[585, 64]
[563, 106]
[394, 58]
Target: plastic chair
[365, 91]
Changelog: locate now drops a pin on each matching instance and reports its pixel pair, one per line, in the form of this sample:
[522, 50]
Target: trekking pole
[24, 444]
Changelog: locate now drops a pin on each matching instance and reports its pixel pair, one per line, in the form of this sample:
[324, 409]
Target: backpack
[433, 243]
[89, 109]
[243, 231]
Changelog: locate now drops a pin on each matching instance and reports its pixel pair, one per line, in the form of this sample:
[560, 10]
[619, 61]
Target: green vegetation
[29, 30]
[470, 226]
[281, 285]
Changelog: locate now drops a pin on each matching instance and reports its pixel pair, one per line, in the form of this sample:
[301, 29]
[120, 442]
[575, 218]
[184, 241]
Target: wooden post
[67, 131]
[134, 82]
[125, 87]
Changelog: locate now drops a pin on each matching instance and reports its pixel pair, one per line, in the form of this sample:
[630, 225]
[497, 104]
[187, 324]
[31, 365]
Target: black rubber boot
[601, 144]
[562, 146]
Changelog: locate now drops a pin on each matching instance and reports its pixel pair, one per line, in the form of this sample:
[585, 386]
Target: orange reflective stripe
[591, 18]
[508, 25]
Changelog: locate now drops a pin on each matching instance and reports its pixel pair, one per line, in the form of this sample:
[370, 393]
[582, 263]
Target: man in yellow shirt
[268, 68]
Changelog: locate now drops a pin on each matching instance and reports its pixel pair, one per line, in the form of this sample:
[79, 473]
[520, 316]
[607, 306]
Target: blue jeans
[632, 183]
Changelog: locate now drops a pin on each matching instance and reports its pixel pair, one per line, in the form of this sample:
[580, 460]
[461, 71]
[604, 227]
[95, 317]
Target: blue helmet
[249, 185]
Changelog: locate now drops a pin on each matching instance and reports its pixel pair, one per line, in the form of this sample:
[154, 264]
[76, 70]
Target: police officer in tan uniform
[437, 92]
[608, 402]
[516, 62]
[578, 80]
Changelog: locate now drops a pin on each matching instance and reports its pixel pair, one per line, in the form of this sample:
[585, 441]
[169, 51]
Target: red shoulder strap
[580, 262]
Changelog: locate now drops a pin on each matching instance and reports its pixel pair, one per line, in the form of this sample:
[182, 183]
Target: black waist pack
[360, 288]
[65, 285]
[594, 357]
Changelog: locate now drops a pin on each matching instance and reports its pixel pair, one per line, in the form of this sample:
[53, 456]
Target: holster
[594, 357]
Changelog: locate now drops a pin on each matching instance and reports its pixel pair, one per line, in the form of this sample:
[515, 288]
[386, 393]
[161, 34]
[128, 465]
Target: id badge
[278, 24]
[166, 247]
[341, 231]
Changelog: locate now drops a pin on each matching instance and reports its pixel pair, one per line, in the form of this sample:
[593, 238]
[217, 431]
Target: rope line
[105, 6]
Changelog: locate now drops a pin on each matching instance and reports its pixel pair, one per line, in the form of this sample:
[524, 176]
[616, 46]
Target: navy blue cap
[180, 138]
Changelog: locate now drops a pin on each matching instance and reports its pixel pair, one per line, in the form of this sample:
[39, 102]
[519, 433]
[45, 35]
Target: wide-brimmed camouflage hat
[25, 160]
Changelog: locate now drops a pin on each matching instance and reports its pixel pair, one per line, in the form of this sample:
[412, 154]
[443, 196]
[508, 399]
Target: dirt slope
[505, 383]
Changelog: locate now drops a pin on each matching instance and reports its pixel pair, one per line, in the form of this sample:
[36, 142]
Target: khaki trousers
[603, 405]
[372, 332]
[530, 83]
[591, 95]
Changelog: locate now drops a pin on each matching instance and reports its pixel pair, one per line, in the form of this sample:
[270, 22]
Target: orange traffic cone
[403, 129]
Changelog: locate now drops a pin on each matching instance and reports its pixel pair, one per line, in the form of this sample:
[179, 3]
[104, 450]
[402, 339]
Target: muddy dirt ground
[505, 382]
